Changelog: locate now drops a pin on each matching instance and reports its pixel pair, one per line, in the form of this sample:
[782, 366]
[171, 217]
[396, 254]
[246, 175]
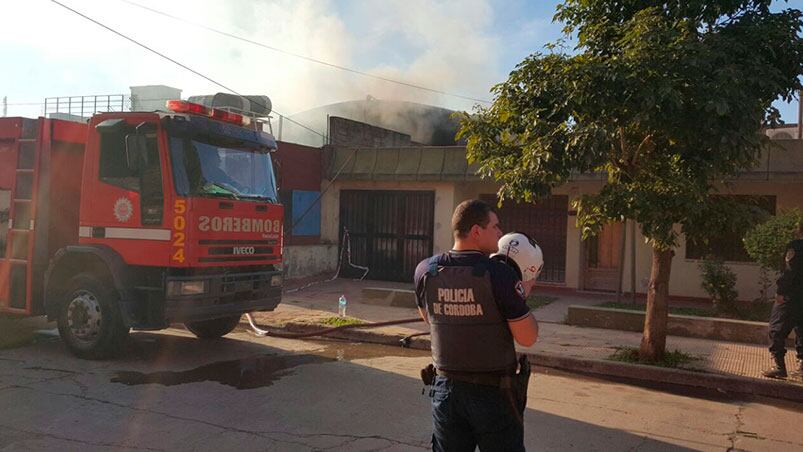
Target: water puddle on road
[247, 373]
[263, 370]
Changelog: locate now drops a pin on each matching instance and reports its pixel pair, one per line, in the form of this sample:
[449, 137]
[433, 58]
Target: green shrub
[719, 281]
[766, 242]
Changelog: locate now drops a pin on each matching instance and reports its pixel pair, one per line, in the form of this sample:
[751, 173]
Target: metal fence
[86, 106]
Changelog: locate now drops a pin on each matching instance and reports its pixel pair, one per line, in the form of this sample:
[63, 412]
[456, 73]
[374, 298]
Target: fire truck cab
[138, 221]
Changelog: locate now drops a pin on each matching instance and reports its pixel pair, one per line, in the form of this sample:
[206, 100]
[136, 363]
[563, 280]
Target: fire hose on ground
[345, 252]
[405, 341]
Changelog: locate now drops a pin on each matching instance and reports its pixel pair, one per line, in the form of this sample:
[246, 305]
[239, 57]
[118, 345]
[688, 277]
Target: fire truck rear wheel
[211, 329]
[89, 321]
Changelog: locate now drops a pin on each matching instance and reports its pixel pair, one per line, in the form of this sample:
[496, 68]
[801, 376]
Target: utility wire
[150, 49]
[304, 57]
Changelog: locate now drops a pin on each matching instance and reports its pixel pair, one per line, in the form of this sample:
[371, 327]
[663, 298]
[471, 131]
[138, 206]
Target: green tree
[666, 98]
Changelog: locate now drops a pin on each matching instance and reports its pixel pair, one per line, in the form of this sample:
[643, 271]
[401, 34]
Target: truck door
[124, 206]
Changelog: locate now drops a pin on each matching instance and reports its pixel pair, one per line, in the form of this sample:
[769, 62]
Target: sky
[459, 46]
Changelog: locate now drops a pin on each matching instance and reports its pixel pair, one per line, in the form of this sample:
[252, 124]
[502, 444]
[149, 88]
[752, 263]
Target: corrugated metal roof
[424, 163]
[783, 160]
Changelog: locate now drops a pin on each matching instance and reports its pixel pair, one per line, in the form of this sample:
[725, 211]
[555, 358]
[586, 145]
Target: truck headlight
[175, 288]
[276, 280]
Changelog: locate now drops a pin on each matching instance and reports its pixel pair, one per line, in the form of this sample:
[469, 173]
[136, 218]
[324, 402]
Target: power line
[178, 63]
[304, 57]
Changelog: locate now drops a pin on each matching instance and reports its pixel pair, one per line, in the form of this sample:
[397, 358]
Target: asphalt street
[170, 391]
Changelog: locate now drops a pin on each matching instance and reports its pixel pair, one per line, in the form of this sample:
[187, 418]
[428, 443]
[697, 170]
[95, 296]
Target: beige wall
[685, 276]
[307, 260]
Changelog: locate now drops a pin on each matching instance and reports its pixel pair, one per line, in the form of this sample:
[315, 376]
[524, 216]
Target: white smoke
[447, 45]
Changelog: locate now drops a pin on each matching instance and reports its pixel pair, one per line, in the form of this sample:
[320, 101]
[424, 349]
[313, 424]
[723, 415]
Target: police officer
[476, 309]
[787, 312]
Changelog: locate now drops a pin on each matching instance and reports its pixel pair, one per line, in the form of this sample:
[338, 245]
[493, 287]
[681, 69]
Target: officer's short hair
[467, 214]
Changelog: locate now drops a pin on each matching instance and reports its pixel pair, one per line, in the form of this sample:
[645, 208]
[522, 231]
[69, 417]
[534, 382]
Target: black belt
[479, 378]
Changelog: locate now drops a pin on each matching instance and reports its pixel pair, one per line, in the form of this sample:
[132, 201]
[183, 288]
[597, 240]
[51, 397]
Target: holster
[428, 375]
[521, 383]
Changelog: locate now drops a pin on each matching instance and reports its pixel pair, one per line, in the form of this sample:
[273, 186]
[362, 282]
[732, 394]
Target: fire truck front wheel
[211, 329]
[89, 320]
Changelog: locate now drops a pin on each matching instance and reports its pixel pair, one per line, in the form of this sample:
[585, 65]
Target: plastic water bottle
[341, 306]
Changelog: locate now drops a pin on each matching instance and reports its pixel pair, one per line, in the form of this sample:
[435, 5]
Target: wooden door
[601, 258]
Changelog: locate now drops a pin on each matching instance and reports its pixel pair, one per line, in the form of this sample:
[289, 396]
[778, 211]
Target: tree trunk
[653, 342]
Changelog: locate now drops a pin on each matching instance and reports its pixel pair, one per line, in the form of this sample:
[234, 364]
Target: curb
[677, 377]
[712, 328]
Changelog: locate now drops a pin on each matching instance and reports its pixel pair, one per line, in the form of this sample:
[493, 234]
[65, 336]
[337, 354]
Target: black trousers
[784, 318]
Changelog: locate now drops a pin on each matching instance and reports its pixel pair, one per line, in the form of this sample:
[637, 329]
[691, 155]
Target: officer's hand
[779, 299]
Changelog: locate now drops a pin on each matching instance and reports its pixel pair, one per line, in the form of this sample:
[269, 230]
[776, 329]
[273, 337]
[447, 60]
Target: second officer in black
[787, 312]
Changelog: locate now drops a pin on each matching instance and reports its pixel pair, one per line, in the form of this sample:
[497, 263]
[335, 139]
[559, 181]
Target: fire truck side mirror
[136, 151]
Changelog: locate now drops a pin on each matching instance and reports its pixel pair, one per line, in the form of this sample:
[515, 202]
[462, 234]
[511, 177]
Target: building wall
[298, 175]
[685, 278]
[777, 173]
[298, 167]
[348, 133]
[308, 260]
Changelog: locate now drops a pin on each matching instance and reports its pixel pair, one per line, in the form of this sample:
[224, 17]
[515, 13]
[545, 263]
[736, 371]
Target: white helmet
[522, 253]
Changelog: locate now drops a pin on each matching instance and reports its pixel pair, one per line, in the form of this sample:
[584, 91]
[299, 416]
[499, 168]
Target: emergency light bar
[180, 106]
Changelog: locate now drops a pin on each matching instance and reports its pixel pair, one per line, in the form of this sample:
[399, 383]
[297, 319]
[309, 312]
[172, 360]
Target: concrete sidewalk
[557, 340]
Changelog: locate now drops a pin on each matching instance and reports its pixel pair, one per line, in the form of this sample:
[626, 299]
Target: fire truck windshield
[202, 168]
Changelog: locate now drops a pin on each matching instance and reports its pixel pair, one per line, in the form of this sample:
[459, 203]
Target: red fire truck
[137, 221]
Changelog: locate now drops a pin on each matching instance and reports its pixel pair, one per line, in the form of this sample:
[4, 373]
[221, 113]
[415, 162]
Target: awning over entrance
[424, 163]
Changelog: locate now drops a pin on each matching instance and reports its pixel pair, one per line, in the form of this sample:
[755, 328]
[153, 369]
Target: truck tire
[215, 328]
[89, 320]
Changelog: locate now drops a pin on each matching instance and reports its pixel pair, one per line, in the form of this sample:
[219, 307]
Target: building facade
[397, 203]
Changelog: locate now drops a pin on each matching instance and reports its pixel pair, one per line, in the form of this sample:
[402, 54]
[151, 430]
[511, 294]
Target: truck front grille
[237, 250]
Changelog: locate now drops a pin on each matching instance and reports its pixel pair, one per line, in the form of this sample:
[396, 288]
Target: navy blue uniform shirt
[504, 282]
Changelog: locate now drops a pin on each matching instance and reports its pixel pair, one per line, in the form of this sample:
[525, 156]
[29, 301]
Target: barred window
[729, 246]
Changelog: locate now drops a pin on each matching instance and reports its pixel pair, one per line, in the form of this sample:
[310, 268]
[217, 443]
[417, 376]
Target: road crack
[734, 435]
[265, 434]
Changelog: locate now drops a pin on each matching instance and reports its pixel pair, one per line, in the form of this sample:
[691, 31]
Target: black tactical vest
[469, 333]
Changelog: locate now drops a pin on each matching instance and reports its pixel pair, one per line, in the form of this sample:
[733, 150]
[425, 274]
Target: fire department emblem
[123, 209]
